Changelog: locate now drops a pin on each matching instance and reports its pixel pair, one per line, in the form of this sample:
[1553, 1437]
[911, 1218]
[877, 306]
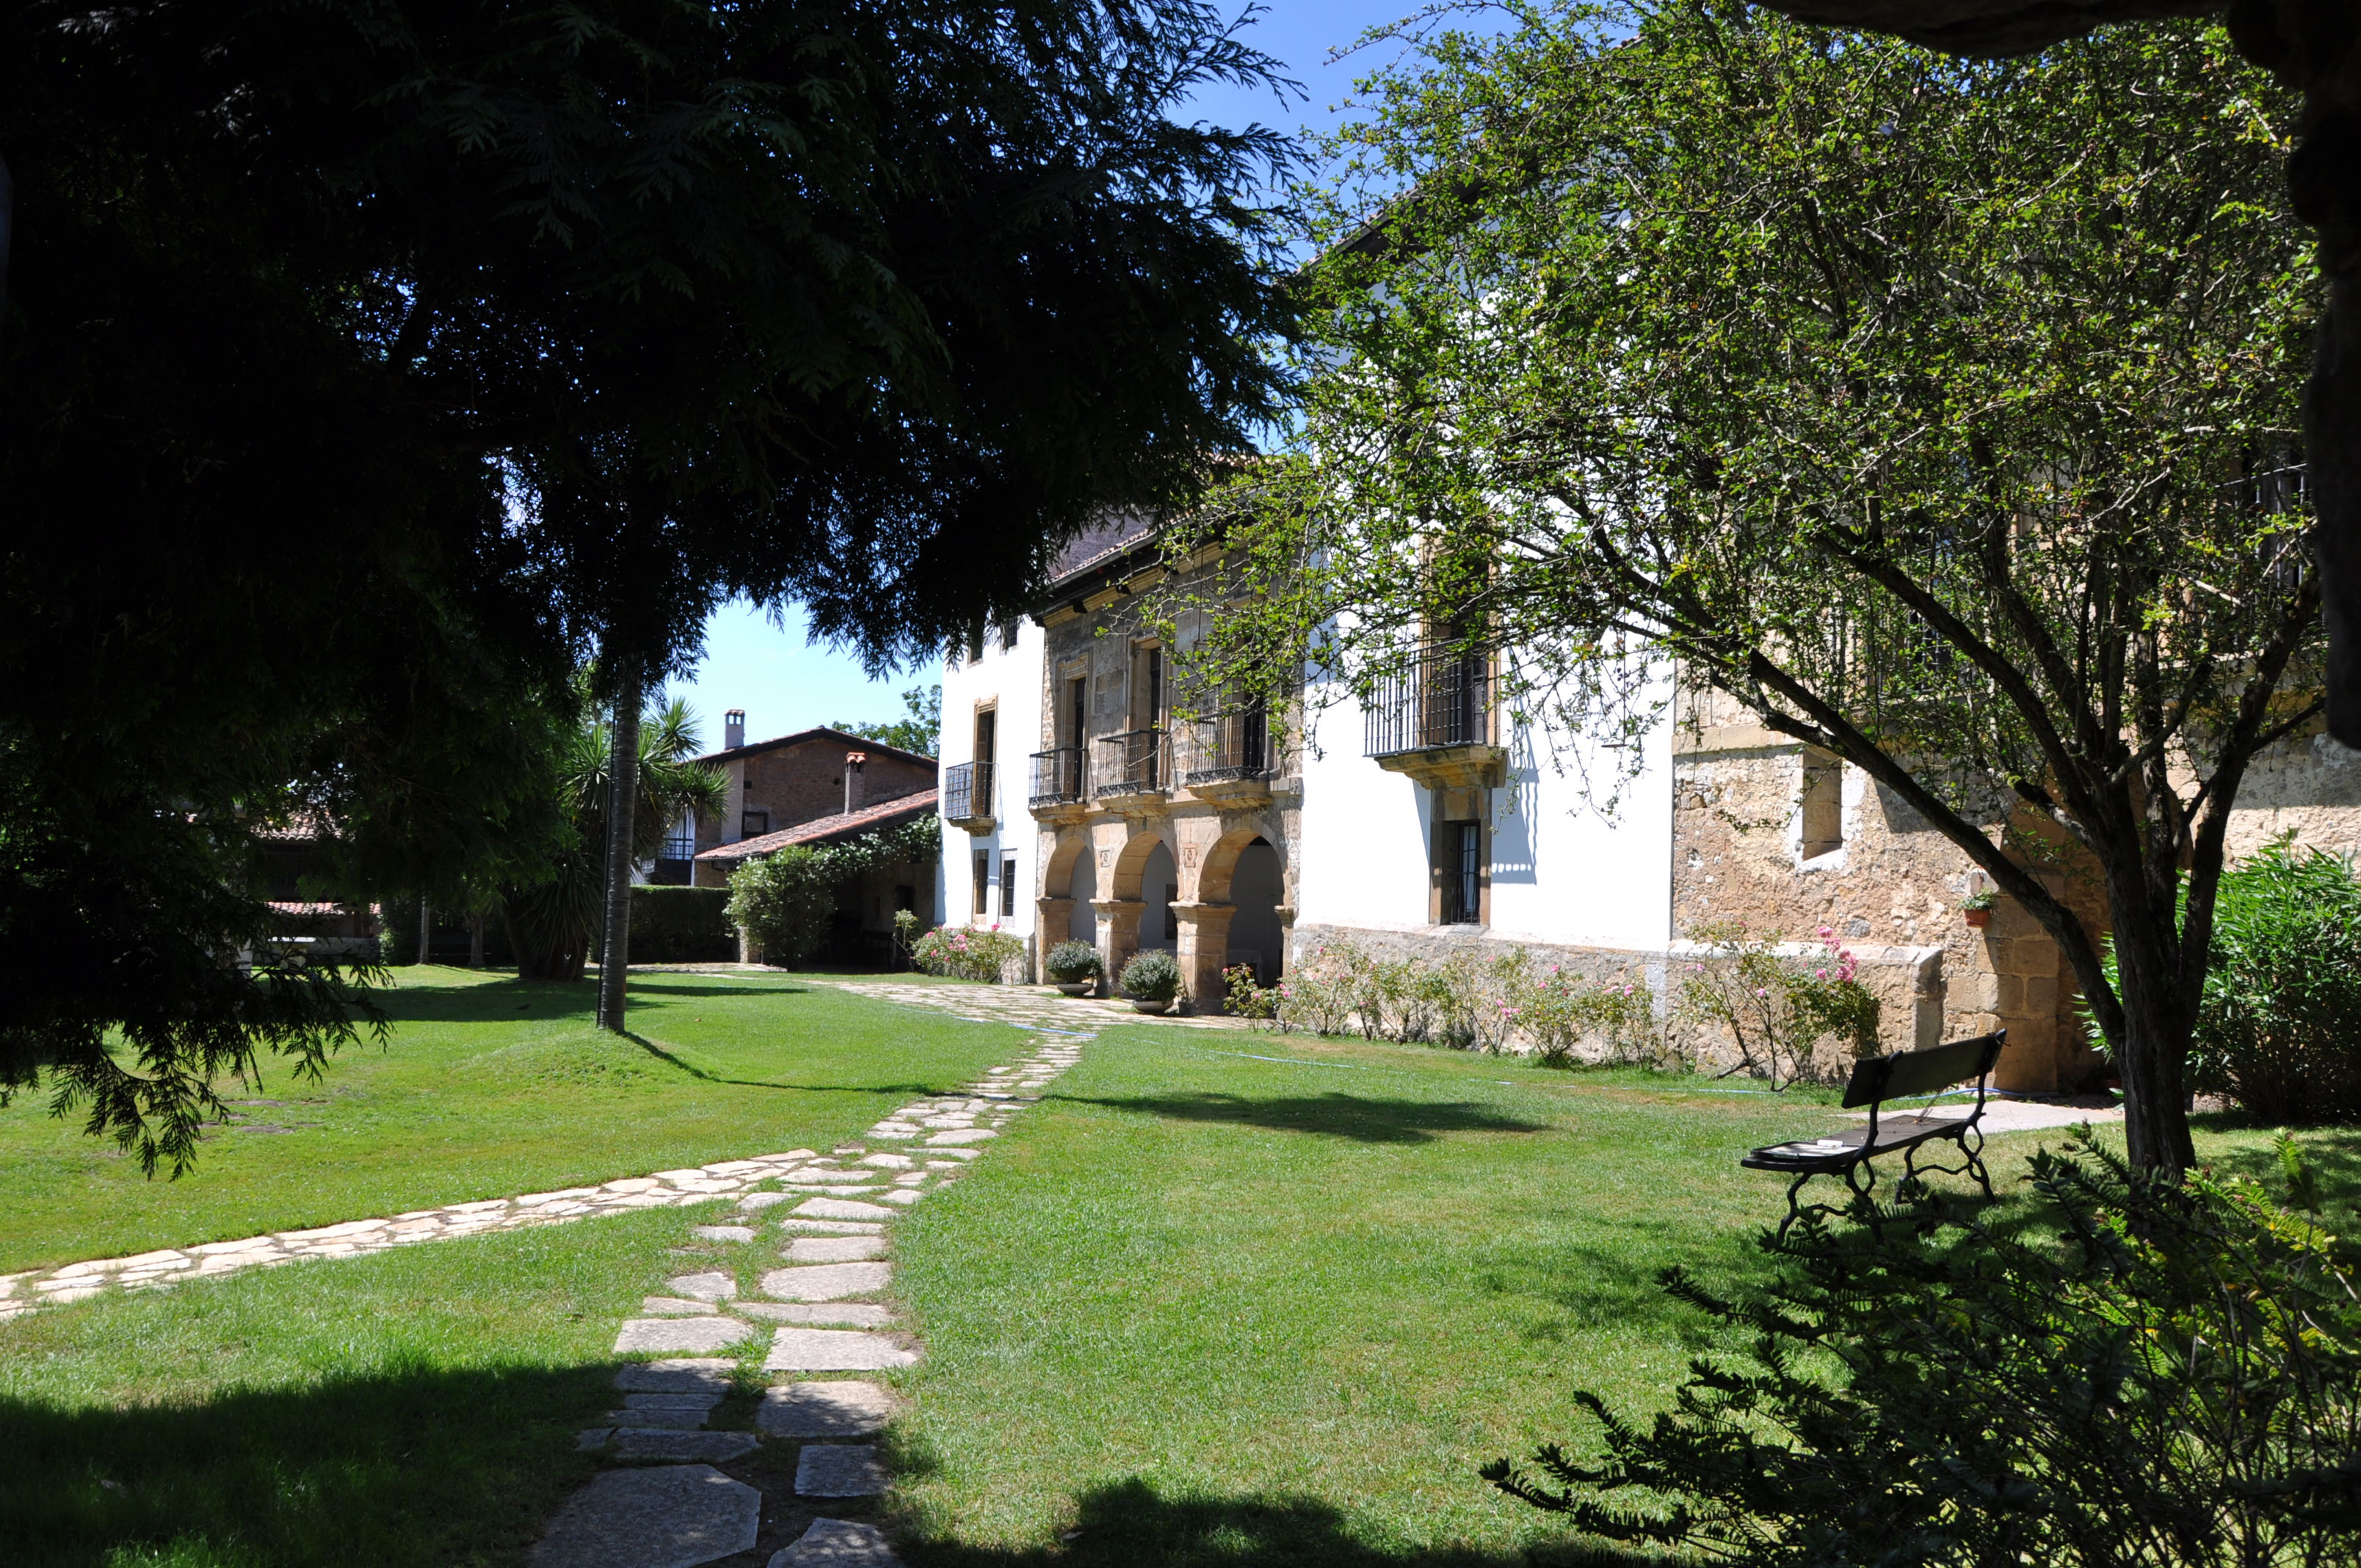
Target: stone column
[2019, 988]
[1118, 933]
[1204, 946]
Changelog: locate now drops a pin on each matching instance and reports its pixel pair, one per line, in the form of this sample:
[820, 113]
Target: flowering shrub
[1153, 975]
[1775, 1009]
[966, 954]
[1559, 1012]
[1248, 997]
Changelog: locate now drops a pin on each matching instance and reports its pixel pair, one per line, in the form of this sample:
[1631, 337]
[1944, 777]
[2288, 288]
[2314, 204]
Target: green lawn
[1207, 1310]
[487, 1088]
[1200, 1308]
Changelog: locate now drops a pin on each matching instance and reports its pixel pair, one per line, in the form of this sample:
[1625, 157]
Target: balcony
[967, 796]
[1130, 771]
[1060, 791]
[1435, 722]
[1226, 756]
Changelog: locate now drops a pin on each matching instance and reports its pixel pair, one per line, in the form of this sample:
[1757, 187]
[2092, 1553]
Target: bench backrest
[1905, 1074]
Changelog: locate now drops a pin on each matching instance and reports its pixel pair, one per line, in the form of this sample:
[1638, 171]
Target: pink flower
[1826, 932]
[1821, 972]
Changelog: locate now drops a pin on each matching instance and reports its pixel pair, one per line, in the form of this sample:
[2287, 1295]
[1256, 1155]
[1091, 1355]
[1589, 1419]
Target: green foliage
[1248, 997]
[1071, 962]
[2149, 1374]
[786, 900]
[552, 922]
[2280, 1028]
[1937, 413]
[966, 954]
[921, 730]
[1559, 1013]
[682, 926]
[1772, 1008]
[1152, 975]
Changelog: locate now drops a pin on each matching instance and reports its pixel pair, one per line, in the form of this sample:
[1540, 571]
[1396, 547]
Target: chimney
[854, 761]
[733, 729]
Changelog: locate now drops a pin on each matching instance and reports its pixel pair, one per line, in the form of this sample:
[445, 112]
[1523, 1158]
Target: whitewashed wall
[1560, 872]
[1013, 678]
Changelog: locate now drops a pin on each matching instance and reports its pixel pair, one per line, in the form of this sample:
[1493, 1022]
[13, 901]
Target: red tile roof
[820, 830]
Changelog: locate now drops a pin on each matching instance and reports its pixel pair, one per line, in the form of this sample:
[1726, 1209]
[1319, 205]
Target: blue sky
[785, 684]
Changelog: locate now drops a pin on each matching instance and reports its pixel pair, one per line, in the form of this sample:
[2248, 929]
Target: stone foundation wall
[1906, 980]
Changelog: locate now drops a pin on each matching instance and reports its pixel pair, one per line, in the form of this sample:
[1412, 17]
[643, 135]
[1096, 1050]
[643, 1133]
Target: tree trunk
[2332, 418]
[475, 941]
[2158, 1024]
[425, 929]
[622, 796]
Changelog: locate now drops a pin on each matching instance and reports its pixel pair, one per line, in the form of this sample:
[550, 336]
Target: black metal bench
[1876, 1080]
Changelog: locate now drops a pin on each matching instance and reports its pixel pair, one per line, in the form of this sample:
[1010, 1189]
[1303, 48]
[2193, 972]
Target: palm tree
[552, 925]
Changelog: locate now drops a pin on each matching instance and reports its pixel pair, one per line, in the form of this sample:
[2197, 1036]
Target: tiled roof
[1118, 534]
[820, 830]
[850, 743]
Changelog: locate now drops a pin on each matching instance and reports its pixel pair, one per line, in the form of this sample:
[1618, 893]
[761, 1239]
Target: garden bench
[1876, 1080]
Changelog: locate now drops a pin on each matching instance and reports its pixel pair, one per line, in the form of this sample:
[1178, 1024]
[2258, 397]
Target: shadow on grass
[428, 1467]
[1360, 1118]
[1131, 1524]
[512, 1000]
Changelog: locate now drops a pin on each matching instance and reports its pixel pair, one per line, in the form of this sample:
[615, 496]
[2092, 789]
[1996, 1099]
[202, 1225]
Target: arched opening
[1081, 921]
[1257, 882]
[1159, 884]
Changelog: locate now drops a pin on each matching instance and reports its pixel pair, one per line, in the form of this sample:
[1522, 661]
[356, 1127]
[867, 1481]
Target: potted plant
[1977, 906]
[1074, 968]
[1152, 979]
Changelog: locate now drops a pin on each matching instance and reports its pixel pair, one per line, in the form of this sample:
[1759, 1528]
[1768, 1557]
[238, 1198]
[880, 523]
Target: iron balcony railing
[1057, 776]
[1443, 699]
[678, 847]
[1222, 746]
[1134, 762]
[967, 792]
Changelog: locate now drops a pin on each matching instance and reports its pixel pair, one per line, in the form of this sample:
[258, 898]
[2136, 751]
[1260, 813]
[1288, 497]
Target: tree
[1998, 507]
[552, 922]
[919, 730]
[368, 366]
[2311, 46]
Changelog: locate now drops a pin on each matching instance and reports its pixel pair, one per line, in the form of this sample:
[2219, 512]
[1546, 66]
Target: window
[1822, 824]
[754, 824]
[1078, 710]
[975, 642]
[1461, 853]
[1007, 885]
[1008, 634]
[983, 884]
[1147, 695]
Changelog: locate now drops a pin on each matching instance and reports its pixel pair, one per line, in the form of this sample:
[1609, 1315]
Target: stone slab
[835, 1249]
[668, 1516]
[820, 1314]
[831, 1227]
[660, 1442]
[755, 1200]
[681, 1375]
[905, 1196]
[833, 1350]
[722, 1233]
[679, 1420]
[827, 1281]
[700, 1400]
[703, 1334]
[704, 1287]
[674, 1307]
[845, 1409]
[841, 1209]
[839, 1470]
[838, 1543]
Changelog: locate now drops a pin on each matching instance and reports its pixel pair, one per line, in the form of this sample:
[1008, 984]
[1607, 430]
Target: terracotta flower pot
[1978, 916]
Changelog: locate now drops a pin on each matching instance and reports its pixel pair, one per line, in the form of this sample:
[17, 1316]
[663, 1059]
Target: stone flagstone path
[836, 1247]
